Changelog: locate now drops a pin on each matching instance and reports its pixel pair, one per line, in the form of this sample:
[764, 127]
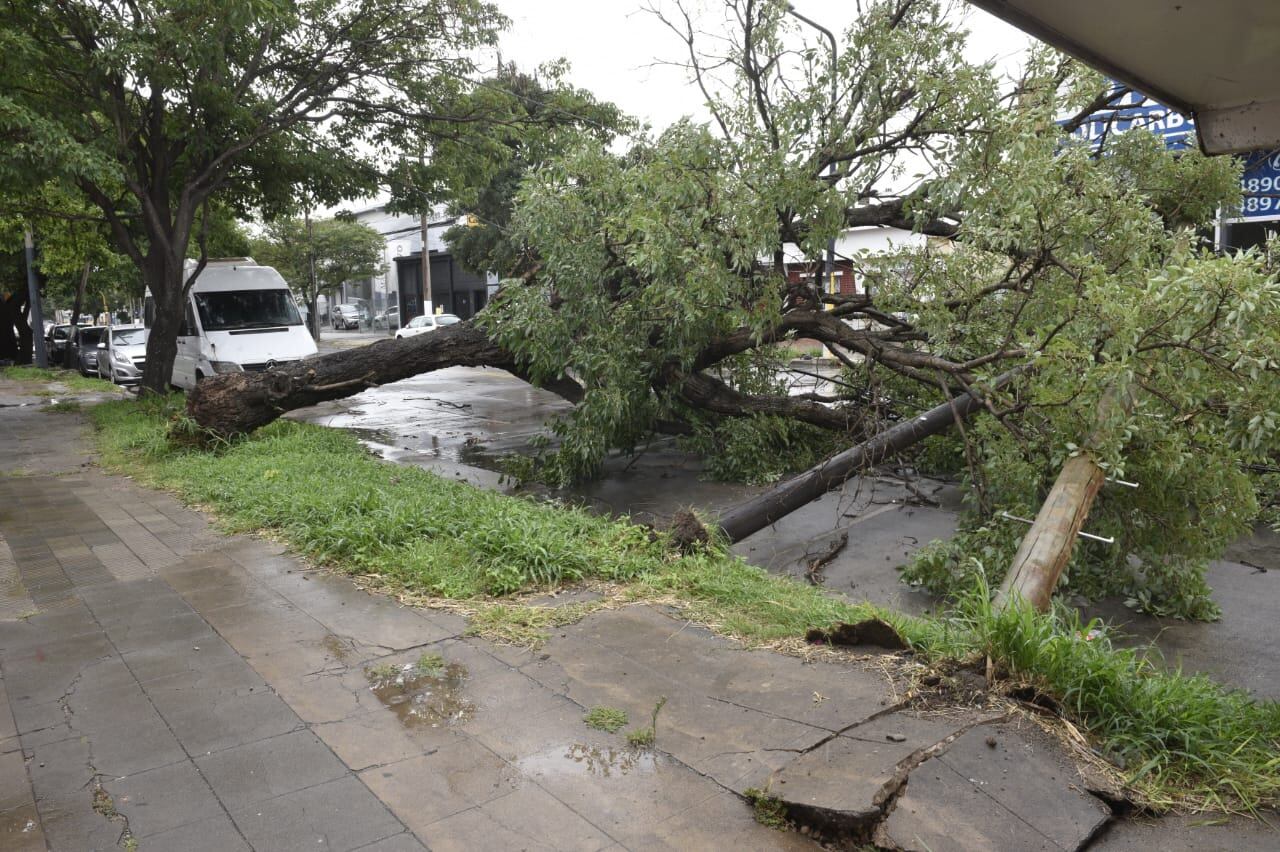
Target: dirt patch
[873, 632]
[687, 532]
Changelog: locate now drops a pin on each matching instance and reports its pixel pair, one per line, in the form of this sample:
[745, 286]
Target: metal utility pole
[311, 263]
[828, 271]
[33, 297]
[429, 307]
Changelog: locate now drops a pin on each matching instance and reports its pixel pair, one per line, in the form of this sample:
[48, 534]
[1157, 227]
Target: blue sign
[1134, 111]
[1260, 184]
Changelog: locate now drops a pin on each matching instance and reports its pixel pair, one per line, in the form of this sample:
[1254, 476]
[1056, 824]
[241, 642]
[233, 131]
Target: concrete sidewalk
[167, 687]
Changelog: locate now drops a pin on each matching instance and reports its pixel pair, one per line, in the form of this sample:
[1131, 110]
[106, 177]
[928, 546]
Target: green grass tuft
[1179, 738]
[608, 719]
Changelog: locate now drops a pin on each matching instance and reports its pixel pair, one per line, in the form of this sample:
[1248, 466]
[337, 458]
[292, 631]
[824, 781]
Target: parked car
[57, 340]
[390, 318]
[122, 354]
[345, 316]
[425, 323]
[84, 349]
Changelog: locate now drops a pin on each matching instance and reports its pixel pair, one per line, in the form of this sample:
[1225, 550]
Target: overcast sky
[613, 45]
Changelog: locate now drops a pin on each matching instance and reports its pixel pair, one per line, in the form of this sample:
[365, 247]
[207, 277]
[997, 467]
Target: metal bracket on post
[1124, 482]
[1082, 533]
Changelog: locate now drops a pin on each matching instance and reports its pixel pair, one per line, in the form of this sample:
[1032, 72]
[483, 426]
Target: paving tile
[161, 799]
[528, 819]
[72, 824]
[231, 721]
[262, 770]
[148, 664]
[323, 697]
[424, 789]
[215, 834]
[20, 829]
[338, 815]
[398, 843]
[378, 737]
[366, 618]
[180, 631]
[15, 791]
[45, 627]
[122, 728]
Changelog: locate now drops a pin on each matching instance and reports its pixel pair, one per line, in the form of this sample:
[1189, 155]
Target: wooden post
[1047, 547]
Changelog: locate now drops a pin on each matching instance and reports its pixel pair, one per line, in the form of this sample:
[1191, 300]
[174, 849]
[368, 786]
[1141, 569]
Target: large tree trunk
[238, 403]
[8, 328]
[76, 305]
[163, 274]
[784, 498]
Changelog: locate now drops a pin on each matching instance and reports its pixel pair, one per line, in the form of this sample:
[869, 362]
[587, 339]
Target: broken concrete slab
[997, 786]
[842, 785]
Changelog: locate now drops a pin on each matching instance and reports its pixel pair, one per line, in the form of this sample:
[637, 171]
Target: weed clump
[768, 810]
[646, 737]
[608, 719]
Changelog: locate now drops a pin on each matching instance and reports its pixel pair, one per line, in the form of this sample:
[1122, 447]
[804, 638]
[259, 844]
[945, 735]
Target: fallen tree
[656, 288]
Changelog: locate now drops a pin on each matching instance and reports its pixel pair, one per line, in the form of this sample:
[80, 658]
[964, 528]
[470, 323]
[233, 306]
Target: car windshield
[447, 319]
[247, 309]
[90, 336]
[417, 322]
[129, 337]
[61, 332]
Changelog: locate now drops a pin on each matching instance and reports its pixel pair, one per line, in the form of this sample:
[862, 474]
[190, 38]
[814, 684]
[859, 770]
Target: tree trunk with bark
[238, 403]
[76, 305]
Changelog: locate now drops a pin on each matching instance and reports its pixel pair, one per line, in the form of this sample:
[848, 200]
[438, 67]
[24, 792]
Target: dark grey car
[84, 349]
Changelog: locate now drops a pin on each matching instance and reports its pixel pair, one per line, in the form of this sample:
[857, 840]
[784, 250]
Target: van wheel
[199, 376]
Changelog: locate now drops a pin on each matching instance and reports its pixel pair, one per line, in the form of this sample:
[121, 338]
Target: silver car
[122, 354]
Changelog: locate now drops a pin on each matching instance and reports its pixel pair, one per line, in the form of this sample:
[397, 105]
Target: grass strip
[42, 375]
[1180, 739]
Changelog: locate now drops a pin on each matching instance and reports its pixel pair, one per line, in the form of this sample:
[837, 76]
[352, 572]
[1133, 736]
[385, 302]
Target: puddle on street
[431, 698]
[582, 759]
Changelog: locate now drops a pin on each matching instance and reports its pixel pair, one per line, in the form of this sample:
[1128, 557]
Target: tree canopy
[660, 288]
[342, 250]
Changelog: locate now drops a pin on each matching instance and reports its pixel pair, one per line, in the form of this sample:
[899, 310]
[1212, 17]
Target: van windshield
[246, 309]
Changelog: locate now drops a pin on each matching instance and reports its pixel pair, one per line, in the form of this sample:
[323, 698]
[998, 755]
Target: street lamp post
[828, 271]
[40, 356]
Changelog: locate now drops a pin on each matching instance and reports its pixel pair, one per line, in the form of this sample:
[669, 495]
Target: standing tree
[156, 111]
[341, 250]
[1055, 276]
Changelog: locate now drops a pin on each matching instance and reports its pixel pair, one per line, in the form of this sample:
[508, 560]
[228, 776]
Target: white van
[240, 316]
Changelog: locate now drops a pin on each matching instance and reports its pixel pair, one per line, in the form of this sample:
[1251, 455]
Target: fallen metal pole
[783, 499]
